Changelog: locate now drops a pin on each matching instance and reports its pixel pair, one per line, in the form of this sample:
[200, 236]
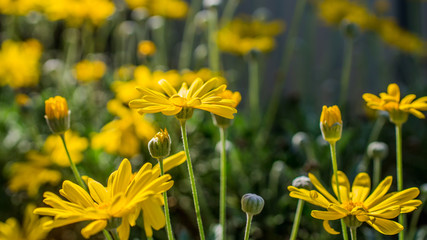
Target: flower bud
[184, 114]
[160, 145]
[349, 29]
[57, 114]
[300, 139]
[377, 150]
[331, 123]
[252, 204]
[302, 182]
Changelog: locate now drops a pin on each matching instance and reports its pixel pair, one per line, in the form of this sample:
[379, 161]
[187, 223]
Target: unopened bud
[57, 114]
[378, 150]
[302, 182]
[350, 29]
[252, 204]
[160, 145]
[331, 123]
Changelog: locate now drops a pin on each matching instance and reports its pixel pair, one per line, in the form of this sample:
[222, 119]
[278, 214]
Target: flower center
[354, 206]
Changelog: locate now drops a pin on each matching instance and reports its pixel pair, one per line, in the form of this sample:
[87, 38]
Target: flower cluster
[176, 9]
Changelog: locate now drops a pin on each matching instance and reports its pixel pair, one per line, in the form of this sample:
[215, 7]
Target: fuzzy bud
[302, 182]
[160, 145]
[377, 150]
[252, 204]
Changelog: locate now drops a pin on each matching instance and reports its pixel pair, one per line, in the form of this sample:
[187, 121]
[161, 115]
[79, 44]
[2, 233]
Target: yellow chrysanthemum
[124, 135]
[89, 71]
[125, 195]
[55, 148]
[36, 167]
[357, 206]
[31, 228]
[398, 109]
[181, 103]
[146, 48]
[244, 34]
[176, 9]
[18, 7]
[19, 63]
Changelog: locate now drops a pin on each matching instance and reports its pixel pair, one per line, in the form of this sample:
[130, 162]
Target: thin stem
[375, 133]
[214, 57]
[415, 218]
[72, 165]
[228, 13]
[165, 199]
[286, 60]
[377, 171]
[192, 180]
[159, 34]
[353, 232]
[399, 172]
[248, 225]
[335, 169]
[254, 87]
[188, 39]
[345, 75]
[107, 234]
[223, 183]
[297, 219]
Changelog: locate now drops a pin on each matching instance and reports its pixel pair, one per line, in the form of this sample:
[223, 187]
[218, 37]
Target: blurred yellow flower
[31, 228]
[182, 102]
[357, 206]
[55, 148]
[398, 109]
[18, 7]
[36, 167]
[205, 74]
[123, 136]
[146, 48]
[166, 8]
[22, 99]
[122, 198]
[89, 71]
[19, 63]
[76, 12]
[331, 123]
[244, 34]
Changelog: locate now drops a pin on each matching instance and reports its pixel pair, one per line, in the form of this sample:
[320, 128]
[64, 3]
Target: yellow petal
[220, 110]
[386, 227]
[410, 206]
[153, 213]
[388, 213]
[205, 88]
[195, 87]
[173, 161]
[167, 87]
[327, 215]
[122, 178]
[124, 229]
[417, 113]
[379, 192]
[321, 189]
[361, 187]
[394, 91]
[407, 99]
[76, 194]
[93, 228]
[312, 196]
[328, 228]
[344, 186]
[97, 191]
[396, 198]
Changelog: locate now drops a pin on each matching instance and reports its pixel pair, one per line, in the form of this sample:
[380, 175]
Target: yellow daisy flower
[357, 206]
[182, 102]
[398, 109]
[31, 228]
[89, 71]
[125, 195]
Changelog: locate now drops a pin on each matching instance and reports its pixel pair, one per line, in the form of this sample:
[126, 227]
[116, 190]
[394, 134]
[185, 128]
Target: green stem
[192, 180]
[248, 225]
[223, 180]
[254, 87]
[345, 75]
[107, 235]
[229, 10]
[165, 199]
[159, 34]
[377, 171]
[375, 133]
[284, 67]
[297, 219]
[214, 57]
[72, 165]
[399, 172]
[353, 232]
[188, 39]
[415, 218]
[149, 238]
[335, 169]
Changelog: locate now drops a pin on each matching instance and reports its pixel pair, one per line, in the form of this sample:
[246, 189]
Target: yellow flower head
[57, 114]
[36, 167]
[89, 71]
[54, 147]
[31, 228]
[244, 34]
[235, 96]
[331, 123]
[182, 102]
[123, 135]
[125, 195]
[357, 206]
[176, 9]
[398, 109]
[22, 99]
[146, 48]
[19, 63]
